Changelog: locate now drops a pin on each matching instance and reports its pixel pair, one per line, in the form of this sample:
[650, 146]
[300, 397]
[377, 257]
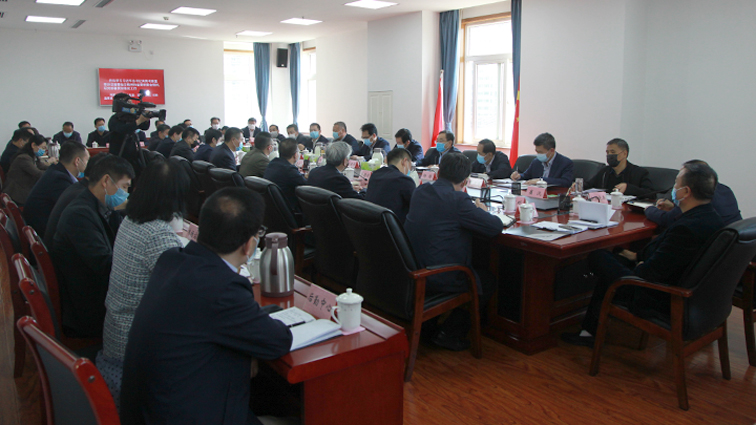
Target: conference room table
[357, 378]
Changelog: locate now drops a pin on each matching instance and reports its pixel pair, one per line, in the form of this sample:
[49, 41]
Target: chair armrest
[305, 229]
[636, 281]
[433, 270]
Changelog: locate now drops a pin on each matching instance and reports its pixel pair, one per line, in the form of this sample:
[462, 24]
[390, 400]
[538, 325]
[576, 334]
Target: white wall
[431, 67]
[279, 108]
[51, 77]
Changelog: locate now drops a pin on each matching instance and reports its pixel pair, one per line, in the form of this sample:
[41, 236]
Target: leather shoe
[445, 340]
[576, 339]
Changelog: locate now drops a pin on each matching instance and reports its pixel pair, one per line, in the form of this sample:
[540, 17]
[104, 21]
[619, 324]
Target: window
[486, 87]
[308, 93]
[240, 91]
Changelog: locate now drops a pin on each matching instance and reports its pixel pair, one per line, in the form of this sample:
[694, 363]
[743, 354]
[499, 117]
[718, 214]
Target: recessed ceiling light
[158, 27]
[253, 33]
[370, 4]
[45, 19]
[62, 2]
[300, 21]
[193, 11]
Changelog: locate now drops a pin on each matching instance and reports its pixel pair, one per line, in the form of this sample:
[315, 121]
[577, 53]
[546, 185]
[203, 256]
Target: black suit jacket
[287, 177]
[724, 202]
[154, 142]
[433, 156]
[5, 160]
[166, 146]
[391, 189]
[366, 151]
[182, 149]
[500, 167]
[416, 150]
[352, 142]
[44, 195]
[203, 153]
[440, 226]
[560, 174]
[305, 140]
[222, 157]
[59, 137]
[68, 195]
[95, 136]
[329, 178]
[245, 132]
[638, 182]
[192, 341]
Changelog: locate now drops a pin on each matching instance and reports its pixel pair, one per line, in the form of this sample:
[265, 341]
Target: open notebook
[305, 330]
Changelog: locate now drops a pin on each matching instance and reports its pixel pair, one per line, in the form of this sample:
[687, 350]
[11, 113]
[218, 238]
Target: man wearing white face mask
[391, 187]
[251, 130]
[553, 167]
[214, 124]
[444, 145]
[275, 133]
[303, 142]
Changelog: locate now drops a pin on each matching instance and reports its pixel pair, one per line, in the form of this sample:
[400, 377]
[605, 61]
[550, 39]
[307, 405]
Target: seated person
[553, 167]
[251, 130]
[214, 124]
[183, 147]
[186, 124]
[444, 145]
[98, 135]
[255, 162]
[620, 174]
[58, 177]
[371, 142]
[146, 232]
[283, 172]
[303, 142]
[664, 260]
[329, 176]
[491, 162]
[440, 225]
[158, 136]
[223, 155]
[68, 133]
[166, 145]
[665, 212]
[316, 136]
[340, 135]
[404, 140]
[276, 134]
[212, 137]
[82, 249]
[24, 124]
[154, 134]
[20, 138]
[26, 169]
[198, 331]
[391, 187]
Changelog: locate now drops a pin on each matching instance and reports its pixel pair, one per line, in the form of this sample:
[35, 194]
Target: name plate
[353, 164]
[300, 163]
[428, 176]
[599, 197]
[535, 192]
[475, 183]
[319, 302]
[365, 175]
[190, 231]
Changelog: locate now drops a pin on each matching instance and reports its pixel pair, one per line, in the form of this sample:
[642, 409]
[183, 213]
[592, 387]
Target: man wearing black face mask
[620, 174]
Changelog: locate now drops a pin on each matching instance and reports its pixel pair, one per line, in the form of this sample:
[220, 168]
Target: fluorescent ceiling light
[370, 4]
[196, 38]
[254, 33]
[193, 11]
[45, 19]
[300, 21]
[158, 27]
[62, 2]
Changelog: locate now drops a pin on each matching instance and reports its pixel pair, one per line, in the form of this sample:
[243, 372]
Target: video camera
[123, 105]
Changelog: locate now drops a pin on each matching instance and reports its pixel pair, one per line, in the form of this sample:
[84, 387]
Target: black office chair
[523, 162]
[151, 157]
[471, 154]
[279, 218]
[745, 299]
[196, 195]
[223, 177]
[699, 306]
[586, 169]
[662, 179]
[335, 263]
[202, 170]
[390, 279]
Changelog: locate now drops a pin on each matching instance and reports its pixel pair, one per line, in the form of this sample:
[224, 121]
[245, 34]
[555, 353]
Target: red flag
[514, 149]
[438, 121]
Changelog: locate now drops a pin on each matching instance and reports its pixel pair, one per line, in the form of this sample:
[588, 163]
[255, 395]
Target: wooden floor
[507, 387]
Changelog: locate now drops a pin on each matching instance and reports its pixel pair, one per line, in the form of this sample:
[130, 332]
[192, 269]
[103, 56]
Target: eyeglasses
[261, 233]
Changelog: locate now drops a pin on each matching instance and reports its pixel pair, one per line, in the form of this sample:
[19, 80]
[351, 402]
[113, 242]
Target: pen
[297, 324]
[589, 221]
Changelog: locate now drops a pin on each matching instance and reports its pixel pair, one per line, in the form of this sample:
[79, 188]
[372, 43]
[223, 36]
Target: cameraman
[123, 139]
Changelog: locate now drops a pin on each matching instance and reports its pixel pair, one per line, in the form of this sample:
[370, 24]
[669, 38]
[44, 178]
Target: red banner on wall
[131, 81]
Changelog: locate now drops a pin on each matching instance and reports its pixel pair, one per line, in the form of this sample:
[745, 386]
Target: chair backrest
[278, 216]
[471, 154]
[45, 274]
[384, 256]
[8, 251]
[18, 223]
[586, 169]
[152, 156]
[39, 303]
[662, 179]
[223, 177]
[194, 197]
[523, 162]
[334, 253]
[73, 389]
[713, 276]
[202, 168]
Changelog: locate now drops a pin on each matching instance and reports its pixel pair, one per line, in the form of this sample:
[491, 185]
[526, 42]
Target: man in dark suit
[340, 135]
[391, 187]
[20, 138]
[206, 149]
[316, 135]
[174, 135]
[98, 135]
[491, 162]
[440, 225]
[68, 133]
[198, 331]
[223, 156]
[276, 134]
[444, 145]
[371, 142]
[303, 142]
[82, 248]
[553, 167]
[404, 140]
[45, 193]
[184, 146]
[251, 130]
[620, 174]
[663, 260]
[154, 134]
[158, 136]
[214, 124]
[285, 174]
[329, 176]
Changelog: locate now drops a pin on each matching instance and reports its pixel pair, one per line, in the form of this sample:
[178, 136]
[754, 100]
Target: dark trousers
[458, 323]
[607, 267]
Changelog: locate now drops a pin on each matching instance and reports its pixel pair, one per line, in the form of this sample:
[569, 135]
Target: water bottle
[276, 267]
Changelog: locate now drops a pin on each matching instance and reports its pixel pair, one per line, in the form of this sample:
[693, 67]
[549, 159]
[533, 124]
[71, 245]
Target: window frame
[304, 84]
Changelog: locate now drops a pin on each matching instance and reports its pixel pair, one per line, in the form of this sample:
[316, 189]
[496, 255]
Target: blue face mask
[335, 135]
[117, 198]
[367, 142]
[314, 134]
[440, 147]
[40, 152]
[81, 175]
[400, 146]
[481, 159]
[238, 148]
[674, 197]
[101, 129]
[67, 135]
[542, 157]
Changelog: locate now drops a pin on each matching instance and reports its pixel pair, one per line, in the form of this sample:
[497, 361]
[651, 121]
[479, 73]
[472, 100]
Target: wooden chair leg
[724, 353]
[679, 367]
[598, 345]
[477, 347]
[20, 353]
[749, 335]
[643, 343]
[414, 340]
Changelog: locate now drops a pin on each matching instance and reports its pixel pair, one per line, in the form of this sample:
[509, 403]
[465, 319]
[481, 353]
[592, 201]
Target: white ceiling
[124, 17]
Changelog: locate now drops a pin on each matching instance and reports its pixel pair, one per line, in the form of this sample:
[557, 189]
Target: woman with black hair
[26, 168]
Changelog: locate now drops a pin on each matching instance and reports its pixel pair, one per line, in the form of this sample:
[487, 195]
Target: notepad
[293, 316]
[305, 330]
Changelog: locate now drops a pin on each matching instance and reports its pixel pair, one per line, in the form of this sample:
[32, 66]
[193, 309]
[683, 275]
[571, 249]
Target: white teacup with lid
[542, 184]
[350, 310]
[616, 199]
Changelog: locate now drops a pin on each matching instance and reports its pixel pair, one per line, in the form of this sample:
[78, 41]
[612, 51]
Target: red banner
[131, 81]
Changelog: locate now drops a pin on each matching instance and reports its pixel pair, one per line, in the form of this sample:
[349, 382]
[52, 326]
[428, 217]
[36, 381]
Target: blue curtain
[294, 75]
[449, 26]
[516, 37]
[262, 79]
